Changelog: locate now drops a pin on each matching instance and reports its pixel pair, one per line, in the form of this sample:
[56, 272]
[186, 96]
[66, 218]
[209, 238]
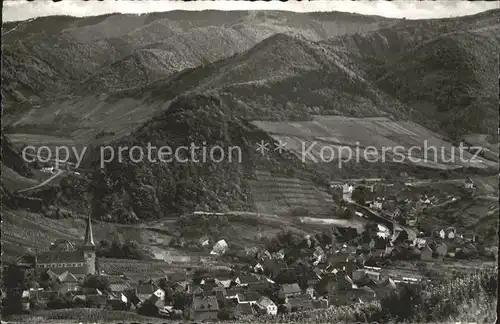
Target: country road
[44, 183]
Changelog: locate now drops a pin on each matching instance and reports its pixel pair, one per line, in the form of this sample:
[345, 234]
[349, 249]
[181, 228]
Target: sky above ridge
[14, 10]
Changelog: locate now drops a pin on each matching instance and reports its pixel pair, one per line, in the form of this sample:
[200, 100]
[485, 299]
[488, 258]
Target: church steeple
[89, 236]
[89, 250]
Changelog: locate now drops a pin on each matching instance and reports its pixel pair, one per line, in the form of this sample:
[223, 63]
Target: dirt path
[44, 183]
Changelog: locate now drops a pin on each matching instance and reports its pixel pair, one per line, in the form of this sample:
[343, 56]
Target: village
[290, 274]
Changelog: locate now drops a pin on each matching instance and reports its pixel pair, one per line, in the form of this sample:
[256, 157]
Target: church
[63, 257]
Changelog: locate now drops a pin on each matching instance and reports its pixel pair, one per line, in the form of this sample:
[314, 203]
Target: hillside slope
[256, 84]
[61, 51]
[154, 189]
[368, 71]
[451, 75]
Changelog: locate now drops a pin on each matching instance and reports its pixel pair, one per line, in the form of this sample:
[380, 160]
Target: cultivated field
[77, 122]
[23, 230]
[336, 132]
[281, 195]
[13, 181]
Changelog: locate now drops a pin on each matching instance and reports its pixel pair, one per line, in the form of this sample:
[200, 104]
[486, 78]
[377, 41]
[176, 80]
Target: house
[421, 242]
[204, 308]
[266, 304]
[377, 204]
[118, 301]
[450, 232]
[219, 293]
[219, 248]
[319, 255]
[79, 299]
[290, 290]
[300, 303]
[204, 241]
[150, 292]
[426, 253]
[258, 268]
[469, 184]
[224, 283]
[68, 282]
[249, 297]
[310, 291]
[251, 252]
[235, 294]
[247, 280]
[396, 212]
[279, 255]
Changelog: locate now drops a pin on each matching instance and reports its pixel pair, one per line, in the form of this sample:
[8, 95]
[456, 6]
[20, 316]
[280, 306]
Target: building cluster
[323, 275]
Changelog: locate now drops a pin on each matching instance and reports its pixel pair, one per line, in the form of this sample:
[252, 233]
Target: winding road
[45, 182]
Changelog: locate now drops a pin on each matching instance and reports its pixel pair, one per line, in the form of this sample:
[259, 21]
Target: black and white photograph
[249, 161]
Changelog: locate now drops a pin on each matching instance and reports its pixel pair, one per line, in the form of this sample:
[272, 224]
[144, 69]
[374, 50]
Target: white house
[258, 268]
[377, 204]
[219, 248]
[469, 184]
[347, 190]
[268, 305]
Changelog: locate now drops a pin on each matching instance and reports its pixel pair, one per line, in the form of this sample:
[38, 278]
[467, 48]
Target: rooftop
[204, 304]
[291, 288]
[60, 257]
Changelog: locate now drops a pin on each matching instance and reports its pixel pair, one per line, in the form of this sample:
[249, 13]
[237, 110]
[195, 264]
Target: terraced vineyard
[22, 230]
[281, 195]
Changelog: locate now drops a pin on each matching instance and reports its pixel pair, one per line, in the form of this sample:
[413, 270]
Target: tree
[13, 283]
[96, 282]
[148, 309]
[360, 195]
[401, 305]
[226, 314]
[58, 301]
[181, 300]
[402, 237]
[370, 232]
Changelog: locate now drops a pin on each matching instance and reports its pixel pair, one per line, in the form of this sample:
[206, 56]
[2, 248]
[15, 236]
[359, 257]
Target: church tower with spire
[89, 253]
